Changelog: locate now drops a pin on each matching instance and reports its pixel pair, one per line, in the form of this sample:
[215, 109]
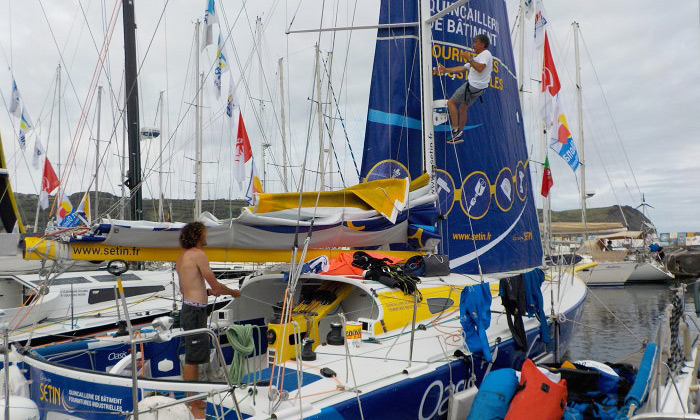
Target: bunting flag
[49, 182]
[210, 17]
[25, 125]
[540, 24]
[38, 152]
[84, 209]
[550, 84]
[64, 209]
[231, 103]
[221, 67]
[15, 101]
[254, 185]
[547, 180]
[243, 151]
[560, 138]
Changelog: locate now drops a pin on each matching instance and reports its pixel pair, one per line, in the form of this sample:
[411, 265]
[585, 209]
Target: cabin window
[64, 280]
[109, 277]
[107, 294]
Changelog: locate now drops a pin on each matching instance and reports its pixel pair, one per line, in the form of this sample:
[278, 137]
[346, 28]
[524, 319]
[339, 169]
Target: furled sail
[483, 184]
[9, 213]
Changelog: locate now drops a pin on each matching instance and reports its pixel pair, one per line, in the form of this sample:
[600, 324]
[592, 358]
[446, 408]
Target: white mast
[580, 129]
[331, 121]
[521, 58]
[160, 161]
[319, 118]
[283, 116]
[426, 55]
[97, 151]
[199, 81]
[261, 103]
[58, 192]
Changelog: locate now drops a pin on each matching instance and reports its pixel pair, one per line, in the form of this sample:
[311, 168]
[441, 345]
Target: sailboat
[343, 344]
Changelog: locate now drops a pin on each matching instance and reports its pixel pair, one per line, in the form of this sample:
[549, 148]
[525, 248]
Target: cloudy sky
[638, 60]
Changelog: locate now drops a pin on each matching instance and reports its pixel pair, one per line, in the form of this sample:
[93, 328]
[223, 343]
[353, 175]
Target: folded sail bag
[538, 398]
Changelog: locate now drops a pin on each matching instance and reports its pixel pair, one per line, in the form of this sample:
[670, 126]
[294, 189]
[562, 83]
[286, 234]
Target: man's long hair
[191, 234]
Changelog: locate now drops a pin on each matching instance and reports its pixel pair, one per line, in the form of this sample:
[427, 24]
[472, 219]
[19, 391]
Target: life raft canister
[538, 398]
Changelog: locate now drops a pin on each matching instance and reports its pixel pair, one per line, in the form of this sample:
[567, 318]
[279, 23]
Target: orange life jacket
[538, 397]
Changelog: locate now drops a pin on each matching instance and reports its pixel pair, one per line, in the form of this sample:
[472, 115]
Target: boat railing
[165, 334]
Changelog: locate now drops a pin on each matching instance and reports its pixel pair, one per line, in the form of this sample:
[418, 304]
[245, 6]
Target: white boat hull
[649, 272]
[613, 273]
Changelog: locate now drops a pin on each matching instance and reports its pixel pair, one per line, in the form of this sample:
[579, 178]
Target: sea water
[618, 321]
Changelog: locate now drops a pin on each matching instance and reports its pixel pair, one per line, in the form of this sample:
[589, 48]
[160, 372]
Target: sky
[640, 91]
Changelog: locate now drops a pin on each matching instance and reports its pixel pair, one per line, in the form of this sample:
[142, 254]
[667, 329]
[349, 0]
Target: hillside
[634, 217]
[182, 210]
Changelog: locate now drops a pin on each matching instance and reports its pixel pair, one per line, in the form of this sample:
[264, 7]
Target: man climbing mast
[477, 82]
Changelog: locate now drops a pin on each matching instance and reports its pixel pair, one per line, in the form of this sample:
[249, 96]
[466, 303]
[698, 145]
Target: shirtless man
[193, 270]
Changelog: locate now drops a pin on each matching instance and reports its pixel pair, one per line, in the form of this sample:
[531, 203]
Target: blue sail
[484, 186]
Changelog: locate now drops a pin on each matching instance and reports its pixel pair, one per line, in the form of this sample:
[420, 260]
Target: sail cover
[483, 184]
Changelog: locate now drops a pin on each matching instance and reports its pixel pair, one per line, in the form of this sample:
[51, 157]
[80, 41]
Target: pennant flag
[550, 84]
[540, 24]
[547, 180]
[221, 68]
[254, 185]
[210, 17]
[231, 102]
[243, 151]
[38, 152]
[49, 182]
[64, 209]
[84, 209]
[25, 124]
[560, 138]
[15, 101]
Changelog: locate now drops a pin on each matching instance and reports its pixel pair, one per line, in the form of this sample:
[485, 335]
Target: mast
[319, 118]
[331, 121]
[58, 77]
[426, 58]
[261, 102]
[521, 58]
[283, 116]
[580, 130]
[160, 161]
[198, 132]
[97, 151]
[132, 108]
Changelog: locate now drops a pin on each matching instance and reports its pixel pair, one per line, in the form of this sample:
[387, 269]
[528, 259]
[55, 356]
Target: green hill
[182, 210]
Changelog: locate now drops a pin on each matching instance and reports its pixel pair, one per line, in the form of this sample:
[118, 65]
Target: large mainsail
[484, 185]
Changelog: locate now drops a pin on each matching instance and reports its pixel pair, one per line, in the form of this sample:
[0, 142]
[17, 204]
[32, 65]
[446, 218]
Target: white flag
[221, 66]
[210, 17]
[38, 152]
[231, 104]
[25, 125]
[540, 24]
[15, 101]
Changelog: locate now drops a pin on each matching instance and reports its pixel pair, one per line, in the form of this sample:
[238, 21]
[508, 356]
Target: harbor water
[618, 321]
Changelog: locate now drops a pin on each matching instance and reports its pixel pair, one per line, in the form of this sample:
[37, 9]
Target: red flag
[550, 78]
[49, 182]
[547, 180]
[243, 151]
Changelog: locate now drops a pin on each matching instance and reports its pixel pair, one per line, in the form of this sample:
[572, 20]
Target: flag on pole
[38, 152]
[210, 17]
[64, 209]
[84, 209]
[254, 185]
[547, 180]
[222, 66]
[560, 138]
[243, 151]
[25, 124]
[49, 182]
[231, 102]
[15, 101]
[540, 24]
[550, 84]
